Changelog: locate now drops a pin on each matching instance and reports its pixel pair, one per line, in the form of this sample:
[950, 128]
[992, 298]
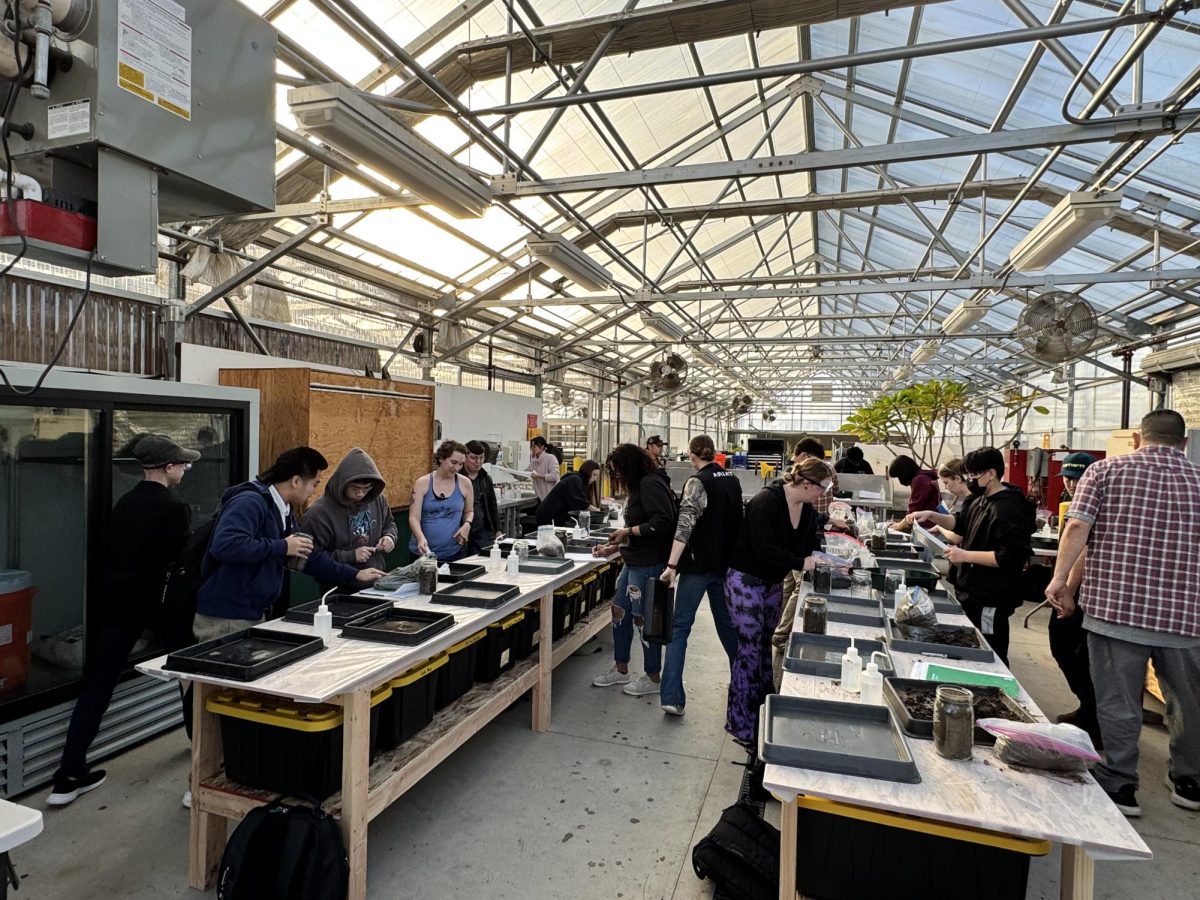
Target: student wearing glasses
[996, 530]
[352, 520]
[443, 507]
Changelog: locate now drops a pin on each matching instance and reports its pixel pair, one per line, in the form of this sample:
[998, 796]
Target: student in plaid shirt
[1139, 518]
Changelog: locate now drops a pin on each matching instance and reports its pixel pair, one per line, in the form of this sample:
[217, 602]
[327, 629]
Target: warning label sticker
[66, 119]
[154, 54]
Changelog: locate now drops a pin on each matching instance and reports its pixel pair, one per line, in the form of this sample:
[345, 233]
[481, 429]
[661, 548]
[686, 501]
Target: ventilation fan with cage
[741, 405]
[668, 373]
[1056, 326]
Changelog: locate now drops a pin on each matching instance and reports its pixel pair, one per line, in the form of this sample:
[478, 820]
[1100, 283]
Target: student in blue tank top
[443, 506]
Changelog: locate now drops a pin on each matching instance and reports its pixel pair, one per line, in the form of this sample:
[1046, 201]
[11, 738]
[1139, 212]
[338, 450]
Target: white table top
[18, 825]
[982, 793]
[347, 665]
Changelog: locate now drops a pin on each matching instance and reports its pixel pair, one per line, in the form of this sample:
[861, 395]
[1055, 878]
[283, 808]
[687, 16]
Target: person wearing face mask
[996, 529]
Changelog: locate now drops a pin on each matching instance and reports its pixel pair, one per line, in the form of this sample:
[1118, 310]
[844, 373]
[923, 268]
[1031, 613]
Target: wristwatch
[671, 566]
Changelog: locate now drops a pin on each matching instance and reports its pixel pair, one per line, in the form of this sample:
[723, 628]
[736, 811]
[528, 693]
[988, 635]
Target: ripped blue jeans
[631, 586]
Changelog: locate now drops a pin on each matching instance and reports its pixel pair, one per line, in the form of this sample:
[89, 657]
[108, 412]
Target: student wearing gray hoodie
[352, 520]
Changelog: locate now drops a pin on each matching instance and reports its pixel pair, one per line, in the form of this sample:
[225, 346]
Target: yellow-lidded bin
[459, 673]
[566, 608]
[413, 703]
[591, 592]
[529, 633]
[852, 851]
[279, 745]
[496, 653]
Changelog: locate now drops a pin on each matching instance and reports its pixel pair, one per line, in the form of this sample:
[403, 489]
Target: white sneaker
[641, 687]
[611, 677]
[187, 799]
[672, 710]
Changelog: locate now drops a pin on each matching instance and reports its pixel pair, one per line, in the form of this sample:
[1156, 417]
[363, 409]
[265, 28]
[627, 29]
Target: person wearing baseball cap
[655, 447]
[149, 527]
[1068, 639]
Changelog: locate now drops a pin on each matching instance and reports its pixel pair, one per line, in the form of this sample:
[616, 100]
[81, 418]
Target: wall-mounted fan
[1056, 326]
[668, 373]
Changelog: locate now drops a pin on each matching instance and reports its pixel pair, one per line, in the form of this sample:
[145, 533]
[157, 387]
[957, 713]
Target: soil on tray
[948, 635]
[919, 703]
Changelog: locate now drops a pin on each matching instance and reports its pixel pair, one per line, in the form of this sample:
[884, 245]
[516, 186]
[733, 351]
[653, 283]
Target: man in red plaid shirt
[1139, 518]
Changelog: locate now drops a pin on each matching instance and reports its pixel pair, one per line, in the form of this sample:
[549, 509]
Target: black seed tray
[460, 571]
[244, 655]
[923, 728]
[546, 566]
[478, 594]
[343, 608]
[821, 654]
[913, 644]
[833, 736]
[398, 626]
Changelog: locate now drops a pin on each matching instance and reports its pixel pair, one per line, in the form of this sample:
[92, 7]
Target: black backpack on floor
[282, 852]
[740, 855]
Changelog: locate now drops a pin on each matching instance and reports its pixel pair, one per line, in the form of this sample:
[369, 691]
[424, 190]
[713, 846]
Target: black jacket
[768, 546]
[484, 487]
[717, 529]
[652, 506]
[845, 466]
[1003, 523]
[147, 532]
[569, 495]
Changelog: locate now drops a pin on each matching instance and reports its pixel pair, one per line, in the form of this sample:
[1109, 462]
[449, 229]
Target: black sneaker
[67, 789]
[1185, 792]
[1125, 799]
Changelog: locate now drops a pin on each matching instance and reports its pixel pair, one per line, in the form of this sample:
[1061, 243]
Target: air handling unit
[1175, 359]
[348, 121]
[147, 110]
[1076, 216]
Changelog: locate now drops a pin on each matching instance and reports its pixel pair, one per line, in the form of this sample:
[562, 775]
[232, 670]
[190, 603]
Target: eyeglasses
[971, 479]
[186, 465]
[825, 488]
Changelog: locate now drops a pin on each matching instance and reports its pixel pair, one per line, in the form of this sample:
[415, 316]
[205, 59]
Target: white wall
[203, 365]
[469, 414]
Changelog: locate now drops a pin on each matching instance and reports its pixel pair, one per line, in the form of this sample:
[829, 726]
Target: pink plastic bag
[1055, 748]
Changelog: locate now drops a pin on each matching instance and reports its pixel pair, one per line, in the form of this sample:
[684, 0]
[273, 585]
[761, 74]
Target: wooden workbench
[981, 793]
[344, 674]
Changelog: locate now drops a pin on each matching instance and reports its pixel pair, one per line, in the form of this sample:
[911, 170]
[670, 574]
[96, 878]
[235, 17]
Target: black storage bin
[279, 745]
[858, 852]
[566, 608]
[456, 678]
[591, 592]
[529, 632]
[412, 704]
[497, 650]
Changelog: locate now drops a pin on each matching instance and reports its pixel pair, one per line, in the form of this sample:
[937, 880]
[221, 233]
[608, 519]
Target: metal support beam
[252, 269]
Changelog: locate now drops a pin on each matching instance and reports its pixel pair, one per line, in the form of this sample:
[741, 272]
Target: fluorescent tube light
[903, 374]
[568, 260]
[963, 316]
[1076, 216]
[663, 326]
[349, 123]
[927, 351]
[706, 356]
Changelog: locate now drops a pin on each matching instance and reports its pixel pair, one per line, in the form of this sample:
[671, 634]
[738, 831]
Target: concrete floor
[607, 805]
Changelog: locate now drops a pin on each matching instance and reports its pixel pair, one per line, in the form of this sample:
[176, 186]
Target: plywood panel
[283, 416]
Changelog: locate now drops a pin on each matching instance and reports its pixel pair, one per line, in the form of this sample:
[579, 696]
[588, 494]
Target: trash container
[16, 626]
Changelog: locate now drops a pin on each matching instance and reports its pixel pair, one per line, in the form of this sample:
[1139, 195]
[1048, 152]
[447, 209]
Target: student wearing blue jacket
[254, 539]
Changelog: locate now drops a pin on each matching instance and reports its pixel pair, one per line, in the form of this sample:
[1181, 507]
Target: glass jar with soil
[953, 722]
[813, 615]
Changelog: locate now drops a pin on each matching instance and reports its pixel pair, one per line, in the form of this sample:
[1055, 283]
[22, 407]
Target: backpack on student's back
[185, 575]
[282, 852]
[740, 855]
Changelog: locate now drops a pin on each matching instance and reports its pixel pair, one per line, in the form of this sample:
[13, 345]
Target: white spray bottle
[851, 669]
[323, 618]
[872, 681]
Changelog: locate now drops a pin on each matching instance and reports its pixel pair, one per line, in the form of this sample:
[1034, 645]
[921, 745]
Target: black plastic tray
[506, 548]
[343, 608]
[546, 566]
[820, 654]
[854, 611]
[897, 551]
[916, 573]
[234, 655]
[1041, 542]
[479, 594]
[923, 728]
[460, 571]
[398, 626]
[833, 736]
[931, 648]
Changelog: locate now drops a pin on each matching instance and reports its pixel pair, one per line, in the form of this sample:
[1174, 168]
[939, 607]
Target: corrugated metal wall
[119, 334]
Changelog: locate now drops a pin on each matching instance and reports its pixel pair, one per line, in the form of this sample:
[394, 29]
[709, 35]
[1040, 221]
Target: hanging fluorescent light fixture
[903, 374]
[1076, 216]
[927, 351]
[663, 326]
[964, 316]
[705, 356]
[346, 121]
[568, 260]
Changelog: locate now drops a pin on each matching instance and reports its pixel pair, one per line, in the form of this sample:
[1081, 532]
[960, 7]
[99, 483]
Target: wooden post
[788, 825]
[356, 764]
[1077, 881]
[541, 691]
[207, 829]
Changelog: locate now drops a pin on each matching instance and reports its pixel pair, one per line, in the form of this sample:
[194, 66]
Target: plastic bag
[1039, 745]
[397, 577]
[917, 610]
[842, 545]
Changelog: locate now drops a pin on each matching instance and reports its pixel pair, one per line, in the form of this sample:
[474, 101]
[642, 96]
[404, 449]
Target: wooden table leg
[1078, 876]
[207, 839]
[356, 763]
[788, 825]
[541, 691]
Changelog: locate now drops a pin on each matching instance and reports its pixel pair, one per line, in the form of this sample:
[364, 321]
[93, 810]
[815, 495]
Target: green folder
[934, 672]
